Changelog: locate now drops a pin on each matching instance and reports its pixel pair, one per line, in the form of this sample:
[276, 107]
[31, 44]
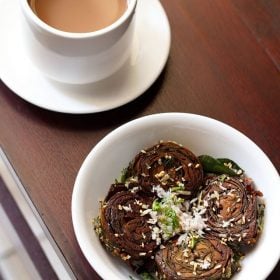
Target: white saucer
[149, 55]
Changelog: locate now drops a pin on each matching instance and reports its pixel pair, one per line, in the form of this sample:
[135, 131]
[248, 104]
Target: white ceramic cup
[78, 58]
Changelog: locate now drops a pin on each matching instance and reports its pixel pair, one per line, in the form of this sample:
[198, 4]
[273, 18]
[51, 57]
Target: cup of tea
[78, 42]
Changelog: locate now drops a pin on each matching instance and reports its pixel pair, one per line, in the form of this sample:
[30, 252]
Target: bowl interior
[201, 135]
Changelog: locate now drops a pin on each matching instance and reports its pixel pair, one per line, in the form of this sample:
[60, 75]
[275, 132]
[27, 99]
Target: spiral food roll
[115, 188]
[169, 165]
[231, 209]
[209, 259]
[124, 227]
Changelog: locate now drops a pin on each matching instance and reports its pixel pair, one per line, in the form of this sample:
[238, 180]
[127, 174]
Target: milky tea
[78, 16]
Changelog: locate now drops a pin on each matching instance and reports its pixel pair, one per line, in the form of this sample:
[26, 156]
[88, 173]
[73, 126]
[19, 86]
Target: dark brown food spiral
[122, 228]
[231, 209]
[167, 164]
[209, 259]
[115, 188]
[119, 187]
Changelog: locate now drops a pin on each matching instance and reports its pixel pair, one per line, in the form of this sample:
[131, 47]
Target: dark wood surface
[224, 63]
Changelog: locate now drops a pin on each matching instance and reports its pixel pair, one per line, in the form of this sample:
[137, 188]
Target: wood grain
[224, 63]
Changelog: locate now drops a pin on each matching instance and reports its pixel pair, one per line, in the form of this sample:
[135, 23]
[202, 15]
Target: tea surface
[79, 16]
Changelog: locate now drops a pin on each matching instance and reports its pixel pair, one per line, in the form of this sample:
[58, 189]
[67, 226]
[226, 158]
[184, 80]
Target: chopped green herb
[178, 188]
[97, 226]
[170, 213]
[222, 177]
[184, 193]
[167, 216]
[237, 257]
[123, 175]
[156, 205]
[147, 276]
[193, 241]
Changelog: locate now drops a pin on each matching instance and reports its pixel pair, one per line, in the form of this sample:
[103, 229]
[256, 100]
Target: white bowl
[201, 135]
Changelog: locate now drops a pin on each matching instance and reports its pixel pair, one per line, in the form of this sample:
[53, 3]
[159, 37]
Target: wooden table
[224, 63]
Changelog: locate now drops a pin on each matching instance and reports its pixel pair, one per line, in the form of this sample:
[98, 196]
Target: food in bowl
[173, 215]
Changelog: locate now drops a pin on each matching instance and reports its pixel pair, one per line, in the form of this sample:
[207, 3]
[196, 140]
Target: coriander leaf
[123, 176]
[146, 276]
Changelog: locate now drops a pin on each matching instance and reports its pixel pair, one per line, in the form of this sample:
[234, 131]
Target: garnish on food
[220, 166]
[208, 259]
[173, 215]
[232, 210]
[167, 164]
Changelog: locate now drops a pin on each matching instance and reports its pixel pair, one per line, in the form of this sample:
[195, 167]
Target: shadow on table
[275, 273]
[92, 121]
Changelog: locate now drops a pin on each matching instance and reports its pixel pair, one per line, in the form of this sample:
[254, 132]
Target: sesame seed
[127, 208]
[218, 266]
[168, 156]
[148, 166]
[178, 168]
[127, 257]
